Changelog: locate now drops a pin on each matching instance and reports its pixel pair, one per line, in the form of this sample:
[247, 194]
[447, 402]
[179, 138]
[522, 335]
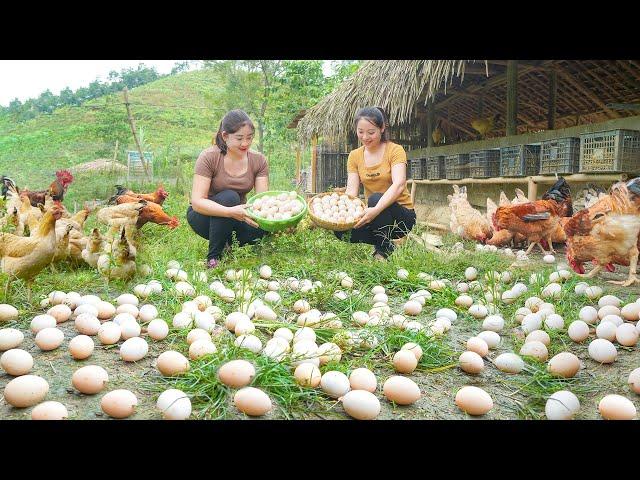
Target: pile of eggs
[337, 208]
[278, 207]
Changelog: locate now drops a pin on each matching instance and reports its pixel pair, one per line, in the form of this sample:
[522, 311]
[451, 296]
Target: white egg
[109, 333]
[471, 273]
[87, 324]
[478, 311]
[490, 337]
[10, 338]
[562, 405]
[174, 405]
[448, 313]
[554, 321]
[147, 313]
[531, 322]
[40, 322]
[412, 307]
[49, 338]
[615, 319]
[402, 274]
[361, 404]
[521, 313]
[609, 300]
[548, 259]
[250, 342]
[509, 363]
[593, 292]
[494, 323]
[134, 349]
[602, 351]
[606, 330]
[627, 335]
[535, 349]
[182, 320]
[578, 331]
[335, 384]
[617, 407]
[588, 314]
[158, 329]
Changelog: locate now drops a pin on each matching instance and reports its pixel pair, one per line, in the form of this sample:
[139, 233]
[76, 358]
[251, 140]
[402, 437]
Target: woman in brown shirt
[224, 174]
[381, 166]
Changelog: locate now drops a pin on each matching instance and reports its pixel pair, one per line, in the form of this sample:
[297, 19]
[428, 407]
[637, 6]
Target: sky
[24, 79]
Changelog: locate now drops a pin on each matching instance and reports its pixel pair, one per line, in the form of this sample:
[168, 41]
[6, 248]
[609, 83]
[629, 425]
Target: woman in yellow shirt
[381, 166]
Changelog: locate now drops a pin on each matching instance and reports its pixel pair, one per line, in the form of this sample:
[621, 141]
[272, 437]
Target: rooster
[56, 189]
[152, 212]
[25, 257]
[607, 233]
[466, 221]
[539, 219]
[158, 196]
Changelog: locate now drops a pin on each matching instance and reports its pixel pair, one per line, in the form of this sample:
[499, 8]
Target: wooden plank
[512, 98]
[553, 92]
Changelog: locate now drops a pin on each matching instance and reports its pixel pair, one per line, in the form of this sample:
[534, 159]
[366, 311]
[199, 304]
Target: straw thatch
[394, 85]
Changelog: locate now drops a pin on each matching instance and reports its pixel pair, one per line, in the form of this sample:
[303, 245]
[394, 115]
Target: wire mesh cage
[484, 163]
[519, 160]
[418, 168]
[610, 151]
[435, 168]
[456, 166]
[560, 155]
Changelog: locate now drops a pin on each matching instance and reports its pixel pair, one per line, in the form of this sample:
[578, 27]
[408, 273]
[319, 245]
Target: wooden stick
[135, 135]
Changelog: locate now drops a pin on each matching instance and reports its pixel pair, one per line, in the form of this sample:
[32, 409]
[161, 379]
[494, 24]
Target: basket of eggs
[276, 210]
[335, 211]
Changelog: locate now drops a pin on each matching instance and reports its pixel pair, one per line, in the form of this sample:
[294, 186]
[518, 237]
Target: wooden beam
[551, 106]
[314, 162]
[585, 91]
[512, 98]
[430, 123]
[459, 127]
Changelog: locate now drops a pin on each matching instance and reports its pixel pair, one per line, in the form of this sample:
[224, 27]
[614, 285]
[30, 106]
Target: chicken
[25, 257]
[93, 248]
[121, 262]
[29, 216]
[6, 183]
[56, 189]
[124, 215]
[11, 219]
[607, 232]
[520, 198]
[152, 212]
[436, 135]
[156, 197]
[539, 219]
[484, 125]
[502, 237]
[466, 221]
[62, 239]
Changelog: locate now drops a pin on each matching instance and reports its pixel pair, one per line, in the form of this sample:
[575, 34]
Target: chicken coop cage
[331, 171]
[610, 151]
[560, 155]
[519, 160]
[456, 166]
[484, 163]
[418, 166]
[435, 168]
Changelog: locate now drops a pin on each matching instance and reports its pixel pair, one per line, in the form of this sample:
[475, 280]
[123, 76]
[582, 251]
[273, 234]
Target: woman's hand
[239, 213]
[367, 217]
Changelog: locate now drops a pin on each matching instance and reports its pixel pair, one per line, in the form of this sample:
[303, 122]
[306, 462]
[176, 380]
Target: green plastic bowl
[276, 225]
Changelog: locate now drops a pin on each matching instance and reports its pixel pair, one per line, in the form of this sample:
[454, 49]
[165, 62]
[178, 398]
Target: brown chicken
[152, 212]
[120, 263]
[502, 237]
[124, 215]
[93, 248]
[25, 257]
[158, 196]
[537, 220]
[466, 221]
[607, 233]
[56, 189]
[484, 125]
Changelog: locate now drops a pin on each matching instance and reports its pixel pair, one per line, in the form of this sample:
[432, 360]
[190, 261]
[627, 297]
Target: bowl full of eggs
[335, 211]
[277, 210]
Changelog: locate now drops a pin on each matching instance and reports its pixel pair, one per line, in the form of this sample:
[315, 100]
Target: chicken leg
[592, 273]
[551, 250]
[633, 263]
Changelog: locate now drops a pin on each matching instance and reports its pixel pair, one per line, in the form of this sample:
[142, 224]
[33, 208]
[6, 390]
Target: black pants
[395, 221]
[218, 230]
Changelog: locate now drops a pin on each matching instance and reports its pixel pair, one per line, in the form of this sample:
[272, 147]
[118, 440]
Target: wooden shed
[446, 110]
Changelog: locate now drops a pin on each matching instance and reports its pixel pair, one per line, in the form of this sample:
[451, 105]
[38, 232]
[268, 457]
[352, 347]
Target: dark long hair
[231, 123]
[378, 117]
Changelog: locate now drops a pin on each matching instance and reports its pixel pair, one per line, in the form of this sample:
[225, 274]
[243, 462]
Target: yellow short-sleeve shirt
[378, 178]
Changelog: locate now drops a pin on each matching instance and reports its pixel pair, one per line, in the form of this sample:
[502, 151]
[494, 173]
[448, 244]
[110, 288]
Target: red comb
[64, 176]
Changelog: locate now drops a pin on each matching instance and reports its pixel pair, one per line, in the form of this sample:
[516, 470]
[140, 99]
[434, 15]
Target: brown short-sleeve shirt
[210, 164]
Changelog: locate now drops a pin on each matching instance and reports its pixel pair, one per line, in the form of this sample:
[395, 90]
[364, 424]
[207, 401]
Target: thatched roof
[587, 92]
[394, 85]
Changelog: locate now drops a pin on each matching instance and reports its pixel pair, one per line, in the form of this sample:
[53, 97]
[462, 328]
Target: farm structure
[488, 124]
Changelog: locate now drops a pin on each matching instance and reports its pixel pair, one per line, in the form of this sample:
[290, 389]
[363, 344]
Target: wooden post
[532, 192]
[414, 186]
[430, 123]
[135, 135]
[115, 154]
[512, 97]
[298, 163]
[553, 92]
[314, 161]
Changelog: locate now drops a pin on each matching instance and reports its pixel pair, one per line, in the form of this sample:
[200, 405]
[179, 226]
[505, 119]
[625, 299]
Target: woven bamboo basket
[336, 227]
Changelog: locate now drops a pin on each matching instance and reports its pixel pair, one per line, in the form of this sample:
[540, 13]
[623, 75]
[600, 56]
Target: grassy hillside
[179, 116]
